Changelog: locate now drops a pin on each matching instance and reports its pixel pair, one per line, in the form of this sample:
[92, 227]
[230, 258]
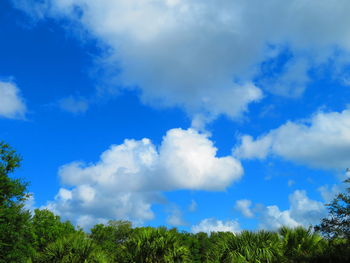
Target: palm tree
[75, 248]
[301, 245]
[252, 247]
[156, 245]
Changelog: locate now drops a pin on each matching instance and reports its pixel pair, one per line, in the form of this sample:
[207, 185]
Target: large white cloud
[131, 176]
[12, 105]
[210, 225]
[322, 141]
[302, 212]
[203, 55]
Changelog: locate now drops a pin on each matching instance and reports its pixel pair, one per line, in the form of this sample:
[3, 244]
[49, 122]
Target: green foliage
[156, 245]
[251, 247]
[43, 237]
[12, 191]
[301, 245]
[75, 248]
[47, 227]
[198, 244]
[111, 237]
[14, 219]
[336, 227]
[337, 224]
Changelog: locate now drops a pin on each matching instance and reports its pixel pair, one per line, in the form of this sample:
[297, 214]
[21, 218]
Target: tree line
[41, 236]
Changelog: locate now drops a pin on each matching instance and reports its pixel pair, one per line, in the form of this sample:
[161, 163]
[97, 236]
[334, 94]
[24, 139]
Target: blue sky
[193, 114]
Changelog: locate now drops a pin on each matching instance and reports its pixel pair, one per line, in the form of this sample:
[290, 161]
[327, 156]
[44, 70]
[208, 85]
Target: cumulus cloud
[130, 177]
[323, 141]
[209, 225]
[74, 105]
[273, 218]
[302, 212]
[244, 207]
[204, 55]
[12, 105]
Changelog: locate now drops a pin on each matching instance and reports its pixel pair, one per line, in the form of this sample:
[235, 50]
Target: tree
[337, 224]
[156, 245]
[47, 228]
[112, 236]
[336, 227]
[74, 248]
[251, 247]
[301, 245]
[14, 219]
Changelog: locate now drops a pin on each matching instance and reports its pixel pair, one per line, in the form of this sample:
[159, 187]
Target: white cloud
[303, 211]
[74, 105]
[322, 142]
[204, 55]
[130, 177]
[273, 218]
[12, 105]
[244, 207]
[209, 225]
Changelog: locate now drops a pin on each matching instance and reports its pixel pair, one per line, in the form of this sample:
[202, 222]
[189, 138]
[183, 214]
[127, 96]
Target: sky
[207, 116]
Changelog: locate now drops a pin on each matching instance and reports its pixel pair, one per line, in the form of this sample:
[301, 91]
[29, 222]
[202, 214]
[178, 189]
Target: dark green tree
[250, 247]
[111, 237]
[336, 227]
[198, 244]
[14, 219]
[74, 248]
[302, 245]
[156, 245]
[47, 228]
[337, 224]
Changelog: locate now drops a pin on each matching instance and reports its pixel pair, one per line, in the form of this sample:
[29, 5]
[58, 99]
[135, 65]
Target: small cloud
[302, 212]
[175, 218]
[12, 105]
[244, 207]
[74, 105]
[291, 183]
[193, 206]
[329, 193]
[210, 225]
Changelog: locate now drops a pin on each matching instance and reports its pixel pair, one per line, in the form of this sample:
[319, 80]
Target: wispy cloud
[244, 206]
[74, 105]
